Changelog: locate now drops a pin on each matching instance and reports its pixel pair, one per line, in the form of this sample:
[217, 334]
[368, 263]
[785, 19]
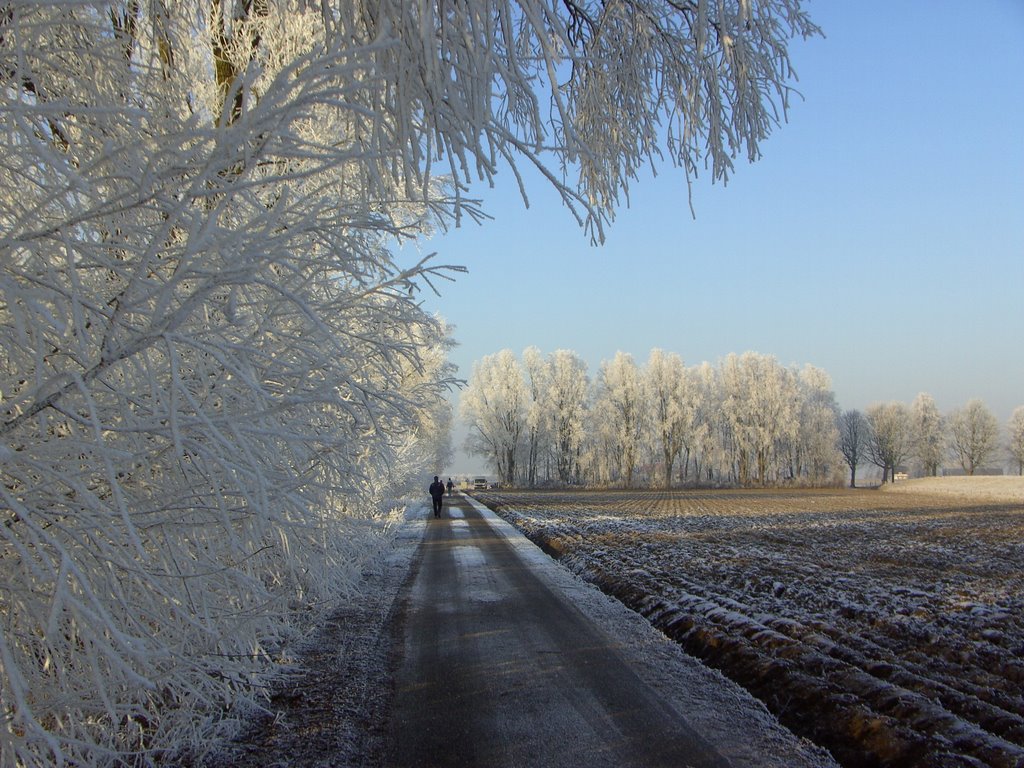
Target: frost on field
[887, 626]
[213, 371]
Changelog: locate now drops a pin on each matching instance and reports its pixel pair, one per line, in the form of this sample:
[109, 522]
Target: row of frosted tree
[215, 380]
[214, 367]
[749, 420]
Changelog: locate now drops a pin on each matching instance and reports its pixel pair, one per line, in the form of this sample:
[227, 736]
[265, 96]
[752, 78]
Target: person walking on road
[437, 494]
[451, 487]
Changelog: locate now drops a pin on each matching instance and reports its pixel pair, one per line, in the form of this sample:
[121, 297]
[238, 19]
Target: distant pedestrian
[437, 494]
[451, 487]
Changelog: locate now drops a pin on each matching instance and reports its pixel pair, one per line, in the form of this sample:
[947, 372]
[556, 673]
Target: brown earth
[887, 627]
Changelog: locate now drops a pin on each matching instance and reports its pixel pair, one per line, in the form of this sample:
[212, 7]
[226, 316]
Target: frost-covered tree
[709, 423]
[209, 353]
[567, 401]
[813, 455]
[495, 405]
[620, 416]
[889, 442]
[759, 399]
[1015, 438]
[671, 406]
[431, 442]
[974, 435]
[749, 415]
[854, 437]
[211, 369]
[929, 433]
[537, 375]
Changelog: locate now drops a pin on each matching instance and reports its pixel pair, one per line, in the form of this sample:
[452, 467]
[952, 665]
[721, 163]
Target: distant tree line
[890, 435]
[746, 421]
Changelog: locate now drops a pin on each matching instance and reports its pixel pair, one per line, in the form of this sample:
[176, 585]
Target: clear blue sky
[880, 237]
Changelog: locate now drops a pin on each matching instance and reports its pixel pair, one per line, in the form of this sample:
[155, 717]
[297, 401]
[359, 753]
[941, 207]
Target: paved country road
[500, 669]
[468, 646]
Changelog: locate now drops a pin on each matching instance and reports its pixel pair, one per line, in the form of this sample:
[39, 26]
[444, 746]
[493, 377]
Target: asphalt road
[499, 668]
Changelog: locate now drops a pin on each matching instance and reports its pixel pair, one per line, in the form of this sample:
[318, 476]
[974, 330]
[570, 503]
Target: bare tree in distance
[813, 451]
[748, 415]
[537, 374]
[759, 399]
[709, 422]
[567, 411]
[854, 434]
[889, 441]
[974, 435]
[620, 417]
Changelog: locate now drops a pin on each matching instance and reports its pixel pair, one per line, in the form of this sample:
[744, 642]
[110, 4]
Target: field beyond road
[886, 626]
[973, 489]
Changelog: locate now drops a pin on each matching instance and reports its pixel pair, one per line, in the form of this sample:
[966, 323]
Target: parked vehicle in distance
[479, 483]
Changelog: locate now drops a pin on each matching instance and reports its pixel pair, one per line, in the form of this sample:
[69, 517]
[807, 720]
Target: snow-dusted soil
[330, 707]
[886, 626]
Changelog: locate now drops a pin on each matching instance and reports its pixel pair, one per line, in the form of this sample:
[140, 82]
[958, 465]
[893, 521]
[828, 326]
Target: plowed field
[888, 628]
